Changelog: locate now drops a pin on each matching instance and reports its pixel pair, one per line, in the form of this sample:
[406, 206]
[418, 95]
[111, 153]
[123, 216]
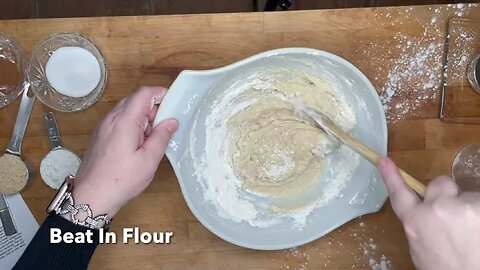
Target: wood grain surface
[153, 50]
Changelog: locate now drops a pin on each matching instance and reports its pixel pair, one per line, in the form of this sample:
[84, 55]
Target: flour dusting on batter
[258, 146]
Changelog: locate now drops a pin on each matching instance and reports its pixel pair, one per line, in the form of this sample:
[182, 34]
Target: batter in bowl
[273, 150]
[257, 141]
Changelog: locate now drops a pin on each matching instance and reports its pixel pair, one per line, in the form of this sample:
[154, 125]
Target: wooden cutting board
[382, 42]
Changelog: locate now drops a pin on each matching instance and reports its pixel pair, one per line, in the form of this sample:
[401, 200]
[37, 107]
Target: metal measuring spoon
[13, 171]
[59, 162]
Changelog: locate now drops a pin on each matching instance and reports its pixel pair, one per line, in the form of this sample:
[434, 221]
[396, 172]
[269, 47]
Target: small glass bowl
[473, 73]
[11, 51]
[38, 78]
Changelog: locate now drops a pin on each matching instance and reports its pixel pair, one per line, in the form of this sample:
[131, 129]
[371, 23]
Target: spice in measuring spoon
[59, 162]
[13, 171]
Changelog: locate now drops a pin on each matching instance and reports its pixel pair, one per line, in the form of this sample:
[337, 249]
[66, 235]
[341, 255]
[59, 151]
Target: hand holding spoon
[332, 130]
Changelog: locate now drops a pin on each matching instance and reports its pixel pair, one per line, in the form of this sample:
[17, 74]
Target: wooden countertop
[153, 50]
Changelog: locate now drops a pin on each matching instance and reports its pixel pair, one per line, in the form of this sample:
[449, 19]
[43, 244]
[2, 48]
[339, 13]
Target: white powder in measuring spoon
[73, 71]
[57, 165]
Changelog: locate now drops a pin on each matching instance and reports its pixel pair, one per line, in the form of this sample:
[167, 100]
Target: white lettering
[100, 236]
[79, 238]
[136, 232]
[158, 238]
[68, 237]
[89, 235]
[106, 237]
[168, 235]
[127, 233]
[55, 235]
[110, 237]
[146, 237]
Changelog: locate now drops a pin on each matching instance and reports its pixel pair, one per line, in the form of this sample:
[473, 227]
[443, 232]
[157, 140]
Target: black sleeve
[40, 254]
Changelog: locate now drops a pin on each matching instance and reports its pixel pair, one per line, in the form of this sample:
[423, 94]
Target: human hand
[124, 153]
[443, 230]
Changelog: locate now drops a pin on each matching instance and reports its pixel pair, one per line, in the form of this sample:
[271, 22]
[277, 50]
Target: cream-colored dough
[273, 150]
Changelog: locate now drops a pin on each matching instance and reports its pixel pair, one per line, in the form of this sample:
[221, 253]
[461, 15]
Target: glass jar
[12, 70]
[473, 73]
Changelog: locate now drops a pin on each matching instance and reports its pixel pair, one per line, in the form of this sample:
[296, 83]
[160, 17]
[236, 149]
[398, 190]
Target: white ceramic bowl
[364, 193]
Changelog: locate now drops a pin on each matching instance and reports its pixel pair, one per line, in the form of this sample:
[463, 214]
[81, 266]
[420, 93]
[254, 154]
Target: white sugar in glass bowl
[190, 98]
[67, 72]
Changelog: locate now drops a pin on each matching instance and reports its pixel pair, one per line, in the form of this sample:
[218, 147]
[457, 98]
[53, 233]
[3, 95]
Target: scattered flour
[414, 77]
[297, 255]
[461, 50]
[382, 264]
[367, 255]
[189, 104]
[369, 251]
[173, 145]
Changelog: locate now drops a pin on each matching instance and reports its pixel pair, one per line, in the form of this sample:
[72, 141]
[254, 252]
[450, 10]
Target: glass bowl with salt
[67, 72]
[12, 70]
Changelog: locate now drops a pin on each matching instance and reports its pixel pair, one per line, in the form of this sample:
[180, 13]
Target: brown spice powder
[13, 174]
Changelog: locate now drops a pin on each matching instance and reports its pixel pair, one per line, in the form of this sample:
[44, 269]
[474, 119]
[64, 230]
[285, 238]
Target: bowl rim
[347, 217]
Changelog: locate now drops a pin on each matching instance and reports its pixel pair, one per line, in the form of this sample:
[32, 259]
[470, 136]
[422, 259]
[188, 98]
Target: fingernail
[145, 125]
[382, 162]
[152, 103]
[157, 100]
[172, 125]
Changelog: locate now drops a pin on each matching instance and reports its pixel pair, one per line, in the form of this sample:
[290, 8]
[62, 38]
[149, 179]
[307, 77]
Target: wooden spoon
[332, 130]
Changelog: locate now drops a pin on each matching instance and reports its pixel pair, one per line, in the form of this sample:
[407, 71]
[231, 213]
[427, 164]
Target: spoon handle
[6, 217]
[26, 106]
[374, 157]
[52, 130]
[331, 129]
